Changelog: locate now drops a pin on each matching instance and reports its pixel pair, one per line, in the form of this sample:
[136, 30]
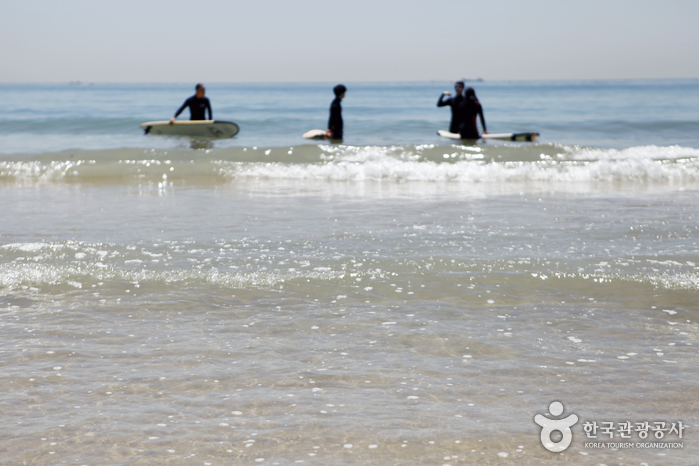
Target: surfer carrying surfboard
[335, 121]
[198, 104]
[453, 102]
[468, 110]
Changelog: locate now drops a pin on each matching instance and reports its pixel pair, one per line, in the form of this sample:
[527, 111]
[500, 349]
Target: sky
[362, 40]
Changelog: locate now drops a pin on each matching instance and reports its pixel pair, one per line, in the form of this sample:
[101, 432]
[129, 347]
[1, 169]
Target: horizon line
[474, 80]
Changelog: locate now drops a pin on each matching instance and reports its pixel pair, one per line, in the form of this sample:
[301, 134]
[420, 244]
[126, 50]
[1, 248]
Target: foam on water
[258, 265]
[515, 167]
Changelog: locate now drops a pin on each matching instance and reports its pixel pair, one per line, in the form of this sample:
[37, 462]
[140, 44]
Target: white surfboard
[528, 137]
[314, 134]
[193, 128]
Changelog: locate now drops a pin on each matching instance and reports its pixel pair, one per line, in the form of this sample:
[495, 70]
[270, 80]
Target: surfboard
[314, 134]
[528, 137]
[193, 128]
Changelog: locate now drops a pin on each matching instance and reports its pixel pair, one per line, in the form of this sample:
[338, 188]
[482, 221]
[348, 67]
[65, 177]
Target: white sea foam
[651, 152]
[47, 270]
[13, 276]
[674, 165]
[27, 247]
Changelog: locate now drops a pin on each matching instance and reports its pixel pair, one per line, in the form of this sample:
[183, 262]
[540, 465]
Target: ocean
[394, 299]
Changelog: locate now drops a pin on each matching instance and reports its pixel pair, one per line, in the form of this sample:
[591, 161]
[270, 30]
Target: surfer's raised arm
[441, 102]
[453, 102]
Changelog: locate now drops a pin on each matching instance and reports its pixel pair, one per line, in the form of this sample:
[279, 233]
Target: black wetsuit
[468, 110]
[453, 102]
[335, 121]
[197, 108]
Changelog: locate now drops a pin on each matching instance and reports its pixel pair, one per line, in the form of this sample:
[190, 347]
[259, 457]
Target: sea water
[394, 299]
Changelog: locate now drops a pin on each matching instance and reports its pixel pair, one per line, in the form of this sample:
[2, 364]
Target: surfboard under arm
[193, 128]
[314, 134]
[524, 137]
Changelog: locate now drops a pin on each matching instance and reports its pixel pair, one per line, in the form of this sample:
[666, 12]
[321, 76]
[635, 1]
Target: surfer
[335, 122]
[468, 109]
[198, 104]
[453, 102]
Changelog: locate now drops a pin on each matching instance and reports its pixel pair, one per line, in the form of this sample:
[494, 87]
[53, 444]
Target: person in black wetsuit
[335, 122]
[453, 102]
[198, 104]
[468, 110]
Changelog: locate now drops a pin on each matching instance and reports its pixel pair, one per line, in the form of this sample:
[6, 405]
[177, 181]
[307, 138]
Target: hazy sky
[359, 40]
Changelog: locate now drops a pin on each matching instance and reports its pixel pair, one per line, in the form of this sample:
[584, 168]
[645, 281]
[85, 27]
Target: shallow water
[397, 303]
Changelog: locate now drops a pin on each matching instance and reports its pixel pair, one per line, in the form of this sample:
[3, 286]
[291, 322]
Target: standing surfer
[335, 121]
[198, 104]
[453, 102]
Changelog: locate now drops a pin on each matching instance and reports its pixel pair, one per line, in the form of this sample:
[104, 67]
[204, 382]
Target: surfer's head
[339, 90]
[459, 86]
[201, 90]
[470, 94]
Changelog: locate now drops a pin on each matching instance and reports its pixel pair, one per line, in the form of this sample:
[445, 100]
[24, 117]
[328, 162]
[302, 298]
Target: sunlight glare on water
[395, 299]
